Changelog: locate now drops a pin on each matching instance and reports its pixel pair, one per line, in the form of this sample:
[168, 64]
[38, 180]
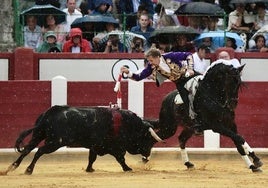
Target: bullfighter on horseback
[175, 66]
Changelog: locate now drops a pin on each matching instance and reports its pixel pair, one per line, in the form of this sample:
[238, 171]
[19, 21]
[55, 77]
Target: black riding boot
[197, 127]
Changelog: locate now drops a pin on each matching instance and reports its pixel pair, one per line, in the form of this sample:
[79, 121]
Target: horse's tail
[19, 142]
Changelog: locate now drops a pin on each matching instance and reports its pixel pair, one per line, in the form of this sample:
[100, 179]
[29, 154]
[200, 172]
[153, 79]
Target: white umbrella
[125, 37]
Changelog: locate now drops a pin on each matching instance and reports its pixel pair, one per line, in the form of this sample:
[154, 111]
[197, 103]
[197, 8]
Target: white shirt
[76, 49]
[32, 39]
[136, 4]
[163, 65]
[70, 18]
[200, 65]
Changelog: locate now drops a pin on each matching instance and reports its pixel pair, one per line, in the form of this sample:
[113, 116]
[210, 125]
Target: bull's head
[151, 133]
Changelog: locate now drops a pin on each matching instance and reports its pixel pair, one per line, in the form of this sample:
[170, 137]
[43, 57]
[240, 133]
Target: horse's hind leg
[183, 138]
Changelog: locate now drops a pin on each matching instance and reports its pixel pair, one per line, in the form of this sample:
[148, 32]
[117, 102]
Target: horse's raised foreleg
[243, 148]
[183, 138]
[249, 151]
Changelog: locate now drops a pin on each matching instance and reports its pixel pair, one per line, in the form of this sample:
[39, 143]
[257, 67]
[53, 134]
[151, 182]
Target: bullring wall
[26, 91]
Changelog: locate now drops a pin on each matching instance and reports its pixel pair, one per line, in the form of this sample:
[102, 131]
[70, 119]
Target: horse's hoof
[28, 171]
[189, 165]
[258, 163]
[255, 169]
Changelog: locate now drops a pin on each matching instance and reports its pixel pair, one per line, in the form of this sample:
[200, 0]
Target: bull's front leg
[120, 157]
[91, 159]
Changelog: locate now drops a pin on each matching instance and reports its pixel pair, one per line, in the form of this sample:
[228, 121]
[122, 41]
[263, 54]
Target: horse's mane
[219, 87]
[221, 67]
[216, 69]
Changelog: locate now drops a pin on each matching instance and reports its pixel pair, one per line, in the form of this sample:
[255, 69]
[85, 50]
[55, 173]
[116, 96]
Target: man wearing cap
[50, 44]
[175, 66]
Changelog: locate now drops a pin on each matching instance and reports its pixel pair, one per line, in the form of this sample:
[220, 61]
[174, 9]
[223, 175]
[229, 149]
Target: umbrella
[247, 1]
[200, 8]
[168, 34]
[99, 21]
[262, 31]
[219, 38]
[183, 1]
[124, 37]
[40, 11]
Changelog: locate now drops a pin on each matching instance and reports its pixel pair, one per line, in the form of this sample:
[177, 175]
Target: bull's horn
[158, 139]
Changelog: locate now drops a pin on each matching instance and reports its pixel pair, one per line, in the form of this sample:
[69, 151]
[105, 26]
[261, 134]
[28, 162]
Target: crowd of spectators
[143, 17]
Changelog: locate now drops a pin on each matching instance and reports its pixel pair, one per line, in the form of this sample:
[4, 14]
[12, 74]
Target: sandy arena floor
[164, 170]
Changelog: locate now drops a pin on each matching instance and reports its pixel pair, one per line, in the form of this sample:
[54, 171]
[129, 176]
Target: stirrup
[178, 100]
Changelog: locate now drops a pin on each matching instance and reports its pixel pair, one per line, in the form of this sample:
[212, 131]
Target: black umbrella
[99, 21]
[41, 11]
[247, 1]
[168, 34]
[200, 8]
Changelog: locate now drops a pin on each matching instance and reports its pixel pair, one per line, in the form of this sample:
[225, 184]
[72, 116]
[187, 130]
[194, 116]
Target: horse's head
[232, 84]
[225, 81]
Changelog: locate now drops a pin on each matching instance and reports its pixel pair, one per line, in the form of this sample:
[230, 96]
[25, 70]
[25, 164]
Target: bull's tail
[19, 142]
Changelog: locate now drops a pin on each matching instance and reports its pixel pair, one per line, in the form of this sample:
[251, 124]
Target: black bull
[102, 130]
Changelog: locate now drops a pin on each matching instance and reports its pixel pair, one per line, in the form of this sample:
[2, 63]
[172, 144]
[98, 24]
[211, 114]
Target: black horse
[214, 104]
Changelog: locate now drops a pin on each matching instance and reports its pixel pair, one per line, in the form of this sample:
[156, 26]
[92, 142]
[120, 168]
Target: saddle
[191, 86]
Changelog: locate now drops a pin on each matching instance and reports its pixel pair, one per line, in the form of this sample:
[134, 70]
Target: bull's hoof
[255, 169]
[257, 163]
[90, 170]
[126, 169]
[28, 171]
[189, 165]
[145, 159]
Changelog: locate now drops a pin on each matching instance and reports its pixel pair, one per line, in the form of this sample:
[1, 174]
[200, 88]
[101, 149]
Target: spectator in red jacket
[76, 43]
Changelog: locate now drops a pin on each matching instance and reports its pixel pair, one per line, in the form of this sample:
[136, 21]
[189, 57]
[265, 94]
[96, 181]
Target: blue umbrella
[219, 38]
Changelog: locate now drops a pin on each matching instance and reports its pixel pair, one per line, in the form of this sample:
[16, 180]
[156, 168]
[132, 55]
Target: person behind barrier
[200, 64]
[175, 66]
[32, 32]
[76, 43]
[50, 45]
[72, 13]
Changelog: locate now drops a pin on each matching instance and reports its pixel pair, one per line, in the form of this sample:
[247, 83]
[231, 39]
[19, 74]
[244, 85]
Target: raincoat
[83, 44]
